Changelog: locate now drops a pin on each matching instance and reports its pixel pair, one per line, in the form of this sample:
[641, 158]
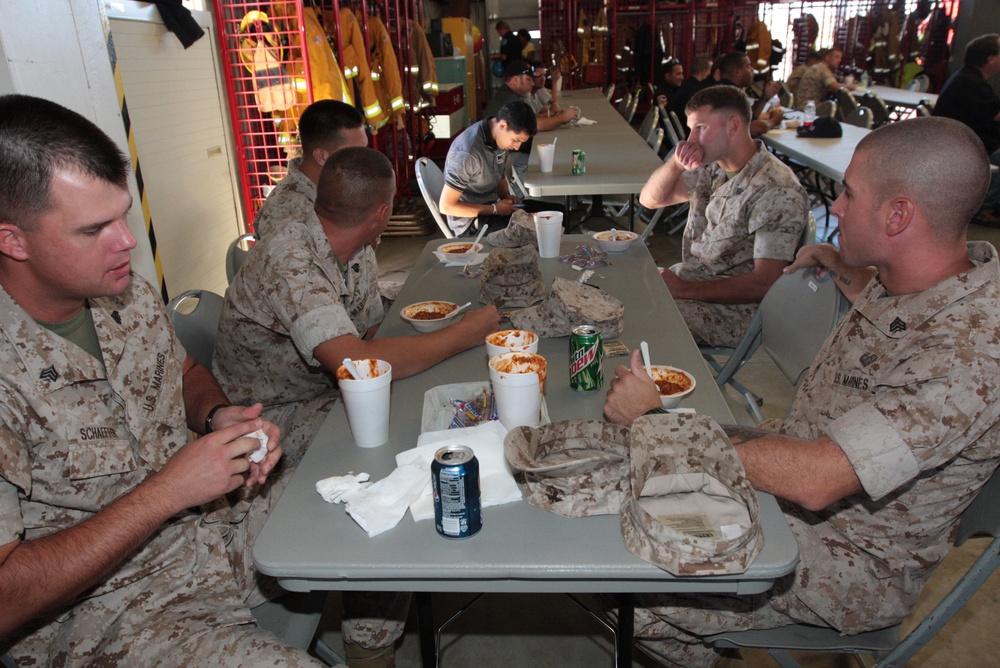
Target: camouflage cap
[573, 468]
[690, 509]
[511, 277]
[569, 305]
[520, 232]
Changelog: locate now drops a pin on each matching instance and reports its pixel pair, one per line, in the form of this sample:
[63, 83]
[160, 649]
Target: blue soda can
[458, 509]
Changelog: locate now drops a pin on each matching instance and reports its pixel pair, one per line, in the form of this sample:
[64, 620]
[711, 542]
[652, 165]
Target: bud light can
[455, 481]
[586, 359]
[579, 161]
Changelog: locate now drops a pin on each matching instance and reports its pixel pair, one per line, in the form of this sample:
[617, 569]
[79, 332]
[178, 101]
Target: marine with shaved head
[895, 428]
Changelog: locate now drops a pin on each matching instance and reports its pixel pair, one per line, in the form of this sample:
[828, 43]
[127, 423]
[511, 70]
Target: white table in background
[829, 157]
[309, 544]
[898, 97]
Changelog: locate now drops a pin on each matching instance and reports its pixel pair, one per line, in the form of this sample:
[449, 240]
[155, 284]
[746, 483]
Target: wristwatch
[209, 427]
[494, 208]
[659, 410]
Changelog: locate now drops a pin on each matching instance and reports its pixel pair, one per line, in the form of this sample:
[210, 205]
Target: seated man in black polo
[475, 185]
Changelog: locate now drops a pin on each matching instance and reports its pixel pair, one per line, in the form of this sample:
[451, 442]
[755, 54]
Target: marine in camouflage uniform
[292, 199]
[75, 436]
[760, 213]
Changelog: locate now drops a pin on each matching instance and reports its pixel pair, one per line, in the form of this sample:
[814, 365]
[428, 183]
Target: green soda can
[579, 161]
[586, 359]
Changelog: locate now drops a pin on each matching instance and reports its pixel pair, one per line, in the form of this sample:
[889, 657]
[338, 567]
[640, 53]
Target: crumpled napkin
[449, 262]
[585, 121]
[333, 489]
[486, 440]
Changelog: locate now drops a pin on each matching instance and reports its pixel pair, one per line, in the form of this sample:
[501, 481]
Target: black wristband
[209, 428]
[659, 410]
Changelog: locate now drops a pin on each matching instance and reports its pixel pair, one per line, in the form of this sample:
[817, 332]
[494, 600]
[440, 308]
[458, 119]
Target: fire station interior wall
[176, 100]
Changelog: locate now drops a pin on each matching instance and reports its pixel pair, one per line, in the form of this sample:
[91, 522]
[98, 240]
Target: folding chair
[610, 93]
[633, 104]
[861, 117]
[880, 112]
[623, 106]
[237, 254]
[846, 104]
[682, 132]
[196, 327]
[431, 182]
[786, 97]
[980, 517]
[923, 108]
[649, 123]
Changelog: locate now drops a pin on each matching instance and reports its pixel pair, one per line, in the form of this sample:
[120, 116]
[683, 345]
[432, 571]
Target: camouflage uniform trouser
[670, 627]
[374, 619]
[719, 325]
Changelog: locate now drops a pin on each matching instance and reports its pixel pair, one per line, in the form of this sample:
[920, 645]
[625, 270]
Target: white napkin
[585, 121]
[380, 506]
[450, 262]
[486, 440]
[333, 489]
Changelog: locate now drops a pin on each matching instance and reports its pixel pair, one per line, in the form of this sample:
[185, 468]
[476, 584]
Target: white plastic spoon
[459, 310]
[351, 369]
[644, 347]
[481, 233]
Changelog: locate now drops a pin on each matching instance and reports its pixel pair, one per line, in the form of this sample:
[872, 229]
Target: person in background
[735, 70]
[701, 68]
[541, 98]
[812, 58]
[325, 127]
[510, 45]
[673, 77]
[475, 184]
[747, 216]
[104, 557]
[896, 426]
[307, 298]
[968, 97]
[528, 50]
[820, 81]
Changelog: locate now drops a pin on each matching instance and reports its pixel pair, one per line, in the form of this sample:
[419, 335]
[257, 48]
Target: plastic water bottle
[864, 79]
[809, 113]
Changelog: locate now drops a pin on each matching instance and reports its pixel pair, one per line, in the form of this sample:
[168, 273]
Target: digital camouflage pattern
[511, 277]
[519, 232]
[290, 296]
[75, 437]
[573, 468]
[814, 85]
[571, 304]
[906, 386]
[688, 456]
[291, 201]
[759, 213]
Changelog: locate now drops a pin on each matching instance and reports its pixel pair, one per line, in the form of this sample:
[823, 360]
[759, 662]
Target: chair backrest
[675, 120]
[431, 182]
[649, 122]
[237, 254]
[861, 117]
[195, 317]
[630, 112]
[623, 105]
[923, 109]
[655, 140]
[610, 93]
[846, 104]
[798, 313]
[880, 112]
[786, 97]
[672, 137]
[923, 83]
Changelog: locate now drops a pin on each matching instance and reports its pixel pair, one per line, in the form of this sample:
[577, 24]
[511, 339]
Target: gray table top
[829, 157]
[310, 544]
[618, 160]
[898, 97]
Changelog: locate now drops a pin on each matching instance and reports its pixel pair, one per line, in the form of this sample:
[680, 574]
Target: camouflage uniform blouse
[907, 387]
[291, 200]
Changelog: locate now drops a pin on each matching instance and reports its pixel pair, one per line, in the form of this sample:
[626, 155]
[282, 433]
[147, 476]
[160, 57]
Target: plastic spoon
[459, 310]
[351, 369]
[644, 347]
[481, 233]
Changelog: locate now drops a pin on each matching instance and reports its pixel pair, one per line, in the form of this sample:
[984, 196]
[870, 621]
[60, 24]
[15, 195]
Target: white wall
[55, 49]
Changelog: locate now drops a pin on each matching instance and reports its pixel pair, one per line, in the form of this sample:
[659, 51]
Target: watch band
[209, 427]
[494, 209]
[659, 410]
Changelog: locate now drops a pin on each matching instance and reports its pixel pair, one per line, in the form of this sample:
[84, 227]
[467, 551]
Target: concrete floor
[504, 631]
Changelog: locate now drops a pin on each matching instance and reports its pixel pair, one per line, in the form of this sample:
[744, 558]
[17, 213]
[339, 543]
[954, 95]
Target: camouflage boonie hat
[569, 305]
[573, 468]
[511, 277]
[690, 509]
[520, 232]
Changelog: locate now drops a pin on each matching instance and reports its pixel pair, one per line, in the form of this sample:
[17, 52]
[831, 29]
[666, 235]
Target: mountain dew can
[579, 161]
[586, 359]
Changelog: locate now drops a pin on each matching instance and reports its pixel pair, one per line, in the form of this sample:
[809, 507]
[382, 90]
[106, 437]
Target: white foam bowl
[663, 373]
[459, 251]
[424, 324]
[617, 242]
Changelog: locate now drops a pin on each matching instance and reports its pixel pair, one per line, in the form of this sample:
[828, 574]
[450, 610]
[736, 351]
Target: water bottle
[864, 79]
[809, 113]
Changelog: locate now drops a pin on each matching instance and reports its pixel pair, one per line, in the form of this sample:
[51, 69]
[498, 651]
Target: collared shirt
[968, 97]
[907, 387]
[474, 167]
[291, 200]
